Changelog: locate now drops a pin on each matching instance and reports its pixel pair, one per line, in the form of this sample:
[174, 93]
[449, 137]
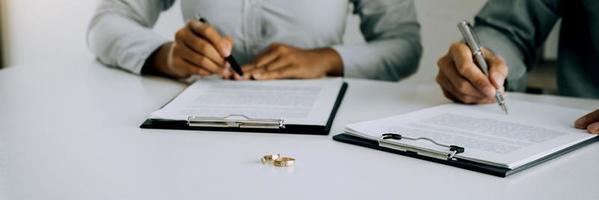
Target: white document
[530, 131]
[302, 102]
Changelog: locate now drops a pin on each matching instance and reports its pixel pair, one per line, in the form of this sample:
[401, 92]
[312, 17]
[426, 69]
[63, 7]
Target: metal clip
[384, 141]
[235, 121]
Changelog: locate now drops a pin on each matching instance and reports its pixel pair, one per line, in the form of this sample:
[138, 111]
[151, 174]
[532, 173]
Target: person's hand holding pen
[462, 81]
[198, 49]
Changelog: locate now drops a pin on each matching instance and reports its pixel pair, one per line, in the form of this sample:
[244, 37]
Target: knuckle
[479, 82]
[203, 60]
[463, 68]
[441, 62]
[439, 79]
[179, 35]
[178, 63]
[444, 62]
[455, 46]
[462, 86]
[203, 27]
[203, 47]
[189, 25]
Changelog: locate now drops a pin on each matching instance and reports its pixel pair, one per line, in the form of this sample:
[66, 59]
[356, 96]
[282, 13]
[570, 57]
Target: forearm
[120, 32]
[390, 59]
[120, 42]
[393, 47]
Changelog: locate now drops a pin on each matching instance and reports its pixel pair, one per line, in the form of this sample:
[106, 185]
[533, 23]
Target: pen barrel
[480, 62]
[468, 36]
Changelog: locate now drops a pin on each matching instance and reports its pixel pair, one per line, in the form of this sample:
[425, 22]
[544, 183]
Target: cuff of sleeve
[134, 59]
[350, 64]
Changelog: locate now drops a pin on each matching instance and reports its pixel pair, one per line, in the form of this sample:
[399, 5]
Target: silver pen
[472, 41]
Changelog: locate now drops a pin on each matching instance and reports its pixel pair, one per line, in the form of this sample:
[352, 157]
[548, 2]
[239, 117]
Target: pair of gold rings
[278, 160]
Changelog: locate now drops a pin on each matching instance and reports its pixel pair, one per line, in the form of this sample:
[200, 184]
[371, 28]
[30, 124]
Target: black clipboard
[460, 163]
[253, 125]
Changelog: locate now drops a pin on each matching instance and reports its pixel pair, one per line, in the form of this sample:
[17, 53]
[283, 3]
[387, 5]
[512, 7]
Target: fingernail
[227, 50]
[499, 80]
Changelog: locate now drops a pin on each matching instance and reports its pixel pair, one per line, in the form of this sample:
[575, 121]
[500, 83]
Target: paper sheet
[295, 101]
[529, 132]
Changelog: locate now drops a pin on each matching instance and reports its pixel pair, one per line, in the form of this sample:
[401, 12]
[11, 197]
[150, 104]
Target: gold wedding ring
[269, 158]
[284, 162]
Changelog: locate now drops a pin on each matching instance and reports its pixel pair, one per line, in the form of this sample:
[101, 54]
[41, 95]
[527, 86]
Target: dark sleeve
[515, 29]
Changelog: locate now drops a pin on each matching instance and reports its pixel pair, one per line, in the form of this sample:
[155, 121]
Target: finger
[449, 95]
[187, 69]
[279, 63]
[266, 57]
[593, 128]
[248, 70]
[456, 95]
[498, 69]
[227, 72]
[199, 45]
[586, 120]
[462, 58]
[254, 74]
[204, 30]
[283, 73]
[448, 69]
[197, 59]
[239, 78]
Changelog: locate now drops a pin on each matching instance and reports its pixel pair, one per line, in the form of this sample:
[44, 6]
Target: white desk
[70, 131]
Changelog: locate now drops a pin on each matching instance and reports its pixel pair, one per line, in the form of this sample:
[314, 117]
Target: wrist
[157, 62]
[333, 62]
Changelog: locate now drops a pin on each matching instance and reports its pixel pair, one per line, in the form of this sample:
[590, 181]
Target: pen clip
[470, 37]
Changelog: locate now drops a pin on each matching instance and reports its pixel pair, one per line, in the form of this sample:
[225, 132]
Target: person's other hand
[462, 81]
[198, 49]
[589, 121]
[280, 61]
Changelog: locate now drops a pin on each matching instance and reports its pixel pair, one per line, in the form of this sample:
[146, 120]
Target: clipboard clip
[235, 121]
[385, 141]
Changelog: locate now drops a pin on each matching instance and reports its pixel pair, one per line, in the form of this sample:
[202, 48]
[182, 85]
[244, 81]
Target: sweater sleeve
[120, 32]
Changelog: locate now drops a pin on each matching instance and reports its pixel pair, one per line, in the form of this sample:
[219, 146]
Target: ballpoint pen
[236, 67]
[472, 41]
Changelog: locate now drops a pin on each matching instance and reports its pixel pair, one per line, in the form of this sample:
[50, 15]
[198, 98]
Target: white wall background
[52, 31]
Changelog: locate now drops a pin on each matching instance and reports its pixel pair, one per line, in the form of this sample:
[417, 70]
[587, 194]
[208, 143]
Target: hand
[197, 49]
[589, 122]
[461, 79]
[280, 61]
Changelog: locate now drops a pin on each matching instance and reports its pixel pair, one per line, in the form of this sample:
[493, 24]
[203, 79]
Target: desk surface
[70, 131]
